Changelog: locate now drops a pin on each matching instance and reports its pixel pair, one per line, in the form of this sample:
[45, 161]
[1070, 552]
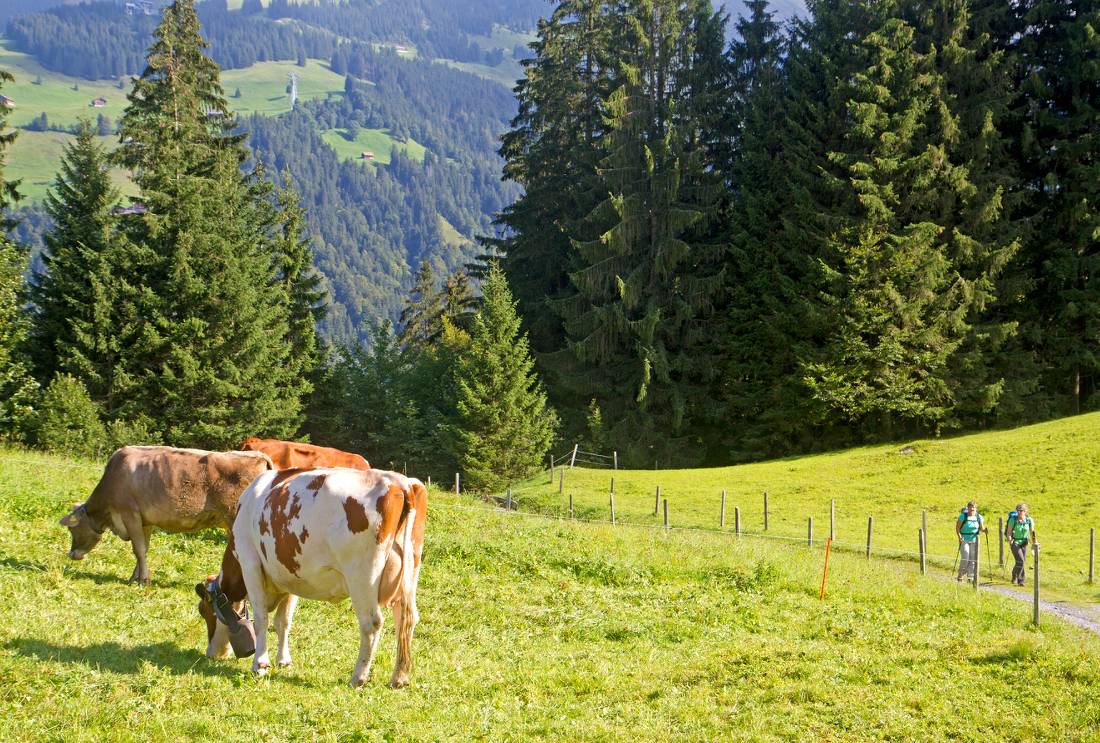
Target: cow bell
[242, 638]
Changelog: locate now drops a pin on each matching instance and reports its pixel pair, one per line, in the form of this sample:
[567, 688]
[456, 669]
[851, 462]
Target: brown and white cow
[176, 490]
[294, 455]
[323, 534]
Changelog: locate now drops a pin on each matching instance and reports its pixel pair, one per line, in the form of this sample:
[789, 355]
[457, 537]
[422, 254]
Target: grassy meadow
[1054, 467]
[65, 100]
[531, 627]
[377, 141]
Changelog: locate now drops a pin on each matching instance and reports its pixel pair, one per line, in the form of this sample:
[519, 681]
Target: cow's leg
[139, 541]
[405, 617]
[257, 596]
[364, 597]
[284, 617]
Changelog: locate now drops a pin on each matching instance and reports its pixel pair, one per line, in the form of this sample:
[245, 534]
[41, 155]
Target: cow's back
[183, 489]
[303, 525]
[295, 455]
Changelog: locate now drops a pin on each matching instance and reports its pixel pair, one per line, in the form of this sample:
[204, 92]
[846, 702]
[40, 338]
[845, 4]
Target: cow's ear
[200, 589]
[69, 519]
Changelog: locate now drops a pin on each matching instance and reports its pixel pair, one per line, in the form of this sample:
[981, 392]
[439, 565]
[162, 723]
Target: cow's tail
[408, 576]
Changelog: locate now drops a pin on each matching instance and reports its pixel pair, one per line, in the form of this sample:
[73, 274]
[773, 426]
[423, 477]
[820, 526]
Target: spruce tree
[1059, 109]
[504, 426]
[552, 150]
[420, 316]
[17, 388]
[215, 359]
[74, 295]
[648, 269]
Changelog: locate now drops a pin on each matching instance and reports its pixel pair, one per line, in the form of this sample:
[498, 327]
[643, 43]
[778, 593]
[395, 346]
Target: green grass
[531, 628]
[263, 86]
[55, 95]
[377, 141]
[1054, 466]
[35, 156]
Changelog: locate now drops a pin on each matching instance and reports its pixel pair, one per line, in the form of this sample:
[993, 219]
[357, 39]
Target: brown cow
[293, 455]
[176, 490]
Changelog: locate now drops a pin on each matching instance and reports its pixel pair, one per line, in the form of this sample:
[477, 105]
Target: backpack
[1012, 521]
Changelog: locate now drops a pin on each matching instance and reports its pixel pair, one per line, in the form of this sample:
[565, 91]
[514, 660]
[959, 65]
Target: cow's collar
[223, 608]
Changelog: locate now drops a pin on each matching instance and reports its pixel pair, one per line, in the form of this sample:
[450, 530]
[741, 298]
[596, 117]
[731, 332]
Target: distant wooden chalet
[136, 208]
[366, 155]
[99, 102]
[5, 101]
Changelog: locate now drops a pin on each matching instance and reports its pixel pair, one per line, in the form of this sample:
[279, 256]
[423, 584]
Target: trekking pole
[957, 552]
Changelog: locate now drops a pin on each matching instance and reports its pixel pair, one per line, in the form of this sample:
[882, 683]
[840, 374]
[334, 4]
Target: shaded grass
[530, 628]
[1053, 466]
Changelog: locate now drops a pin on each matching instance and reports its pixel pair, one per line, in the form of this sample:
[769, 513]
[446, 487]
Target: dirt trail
[1082, 616]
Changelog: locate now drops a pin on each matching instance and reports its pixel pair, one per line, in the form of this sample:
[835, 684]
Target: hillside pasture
[377, 141]
[530, 627]
[35, 156]
[1054, 466]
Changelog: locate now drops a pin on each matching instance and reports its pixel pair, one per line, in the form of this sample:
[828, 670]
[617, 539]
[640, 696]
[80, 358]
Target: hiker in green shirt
[966, 528]
[1018, 531]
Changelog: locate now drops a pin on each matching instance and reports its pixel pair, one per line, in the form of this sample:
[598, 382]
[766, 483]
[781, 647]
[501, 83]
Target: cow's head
[228, 630]
[84, 529]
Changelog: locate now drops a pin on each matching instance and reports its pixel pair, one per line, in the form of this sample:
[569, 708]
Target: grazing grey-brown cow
[175, 490]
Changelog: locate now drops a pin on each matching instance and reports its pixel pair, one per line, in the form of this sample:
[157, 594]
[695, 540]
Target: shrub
[68, 420]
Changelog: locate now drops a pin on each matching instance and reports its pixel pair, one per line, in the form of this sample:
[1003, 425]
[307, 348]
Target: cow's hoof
[357, 681]
[261, 669]
[284, 664]
[399, 682]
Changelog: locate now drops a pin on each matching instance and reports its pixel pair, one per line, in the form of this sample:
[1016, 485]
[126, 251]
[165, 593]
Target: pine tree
[420, 316]
[216, 356]
[17, 388]
[911, 261]
[1059, 108]
[552, 150]
[648, 270]
[504, 426]
[74, 295]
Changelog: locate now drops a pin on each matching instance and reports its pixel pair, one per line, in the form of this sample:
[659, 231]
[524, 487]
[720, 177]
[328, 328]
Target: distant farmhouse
[136, 208]
[367, 155]
[99, 102]
[5, 101]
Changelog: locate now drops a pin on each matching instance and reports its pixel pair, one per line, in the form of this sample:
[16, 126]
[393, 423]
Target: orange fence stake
[826, 571]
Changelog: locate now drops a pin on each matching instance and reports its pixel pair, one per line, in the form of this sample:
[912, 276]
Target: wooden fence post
[657, 501]
[561, 481]
[737, 520]
[612, 506]
[923, 552]
[870, 524]
[810, 532]
[615, 459]
[765, 510]
[1092, 551]
[508, 505]
[612, 485]
[666, 515]
[574, 457]
[570, 504]
[1035, 598]
[832, 518]
[924, 526]
[458, 487]
[550, 457]
[429, 482]
[722, 512]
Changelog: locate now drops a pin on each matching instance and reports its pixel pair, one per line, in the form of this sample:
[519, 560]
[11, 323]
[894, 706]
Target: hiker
[966, 528]
[1018, 531]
